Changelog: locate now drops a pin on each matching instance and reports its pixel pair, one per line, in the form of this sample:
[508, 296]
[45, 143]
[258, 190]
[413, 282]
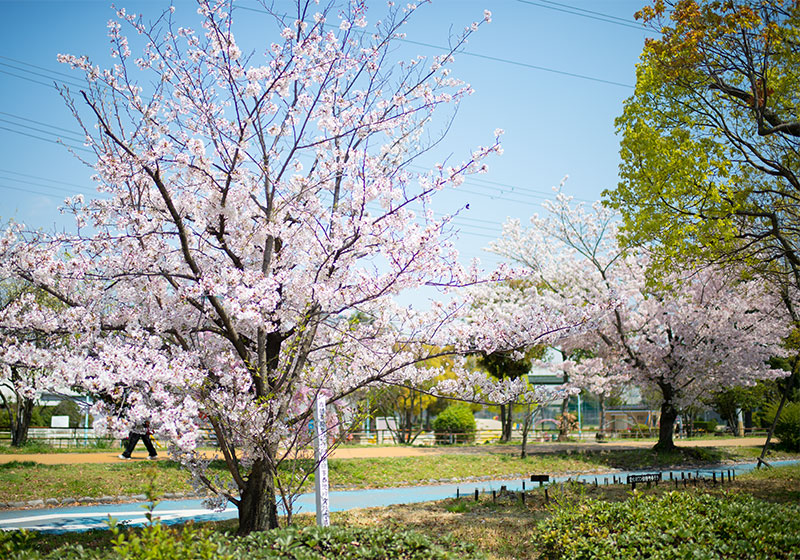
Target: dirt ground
[401, 451]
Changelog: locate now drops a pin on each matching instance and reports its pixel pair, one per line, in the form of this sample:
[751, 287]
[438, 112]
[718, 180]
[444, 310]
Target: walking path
[403, 451]
[61, 520]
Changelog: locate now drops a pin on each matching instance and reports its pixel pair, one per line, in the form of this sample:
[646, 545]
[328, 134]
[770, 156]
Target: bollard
[494, 495]
[714, 477]
[546, 497]
[457, 493]
[476, 494]
[676, 483]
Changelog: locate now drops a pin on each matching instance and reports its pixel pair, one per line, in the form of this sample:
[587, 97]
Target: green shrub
[643, 429]
[158, 542]
[788, 427]
[455, 424]
[677, 525]
[708, 426]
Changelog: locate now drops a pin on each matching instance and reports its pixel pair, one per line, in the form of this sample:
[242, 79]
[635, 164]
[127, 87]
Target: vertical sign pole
[321, 457]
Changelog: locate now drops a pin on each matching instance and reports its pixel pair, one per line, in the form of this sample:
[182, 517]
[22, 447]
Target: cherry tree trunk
[563, 426]
[21, 421]
[601, 429]
[505, 423]
[257, 507]
[666, 426]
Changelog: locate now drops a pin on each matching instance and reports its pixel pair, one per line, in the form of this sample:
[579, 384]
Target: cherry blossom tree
[259, 216]
[682, 335]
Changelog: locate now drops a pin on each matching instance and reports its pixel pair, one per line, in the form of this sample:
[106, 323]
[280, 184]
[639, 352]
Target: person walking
[139, 431]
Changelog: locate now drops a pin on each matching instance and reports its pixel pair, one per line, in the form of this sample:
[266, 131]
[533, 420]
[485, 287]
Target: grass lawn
[22, 481]
[503, 529]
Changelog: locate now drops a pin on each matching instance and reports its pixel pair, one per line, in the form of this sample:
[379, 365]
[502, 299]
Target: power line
[45, 139]
[83, 190]
[29, 127]
[43, 178]
[29, 191]
[17, 61]
[581, 12]
[488, 57]
[13, 116]
[41, 75]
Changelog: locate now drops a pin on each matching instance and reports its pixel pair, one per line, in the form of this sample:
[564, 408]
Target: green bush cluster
[708, 426]
[788, 427]
[456, 424]
[159, 542]
[677, 525]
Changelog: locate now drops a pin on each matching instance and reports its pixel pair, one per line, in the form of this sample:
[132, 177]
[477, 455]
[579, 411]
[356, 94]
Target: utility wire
[68, 131]
[29, 191]
[82, 190]
[488, 57]
[575, 11]
[17, 61]
[82, 149]
[9, 171]
[40, 74]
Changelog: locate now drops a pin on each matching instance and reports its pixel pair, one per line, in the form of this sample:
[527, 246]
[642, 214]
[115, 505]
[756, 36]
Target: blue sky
[553, 75]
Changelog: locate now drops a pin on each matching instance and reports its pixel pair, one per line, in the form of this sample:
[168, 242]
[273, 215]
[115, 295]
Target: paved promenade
[403, 451]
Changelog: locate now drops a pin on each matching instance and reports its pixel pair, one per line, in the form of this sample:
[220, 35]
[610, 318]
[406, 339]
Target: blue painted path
[82, 518]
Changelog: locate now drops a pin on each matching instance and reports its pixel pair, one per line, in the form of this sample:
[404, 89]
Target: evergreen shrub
[456, 424]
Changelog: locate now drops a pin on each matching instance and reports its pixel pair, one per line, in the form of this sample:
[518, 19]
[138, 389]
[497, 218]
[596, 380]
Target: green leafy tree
[710, 137]
[505, 365]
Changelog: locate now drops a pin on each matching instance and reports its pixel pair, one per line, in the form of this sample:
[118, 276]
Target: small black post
[714, 477]
[458, 495]
[523, 486]
[676, 483]
[476, 494]
[633, 486]
[683, 475]
[595, 482]
[546, 497]
[670, 475]
[494, 495]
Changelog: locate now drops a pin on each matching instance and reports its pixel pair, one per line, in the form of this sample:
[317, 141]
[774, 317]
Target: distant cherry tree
[682, 335]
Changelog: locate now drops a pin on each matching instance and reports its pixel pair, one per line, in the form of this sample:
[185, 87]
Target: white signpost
[321, 457]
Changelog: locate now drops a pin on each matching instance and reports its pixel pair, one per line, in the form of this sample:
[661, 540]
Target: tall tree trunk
[669, 413]
[563, 426]
[505, 423]
[526, 427]
[257, 507]
[601, 428]
[21, 421]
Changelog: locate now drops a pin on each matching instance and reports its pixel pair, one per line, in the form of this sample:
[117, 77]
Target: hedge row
[677, 525]
[159, 542]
